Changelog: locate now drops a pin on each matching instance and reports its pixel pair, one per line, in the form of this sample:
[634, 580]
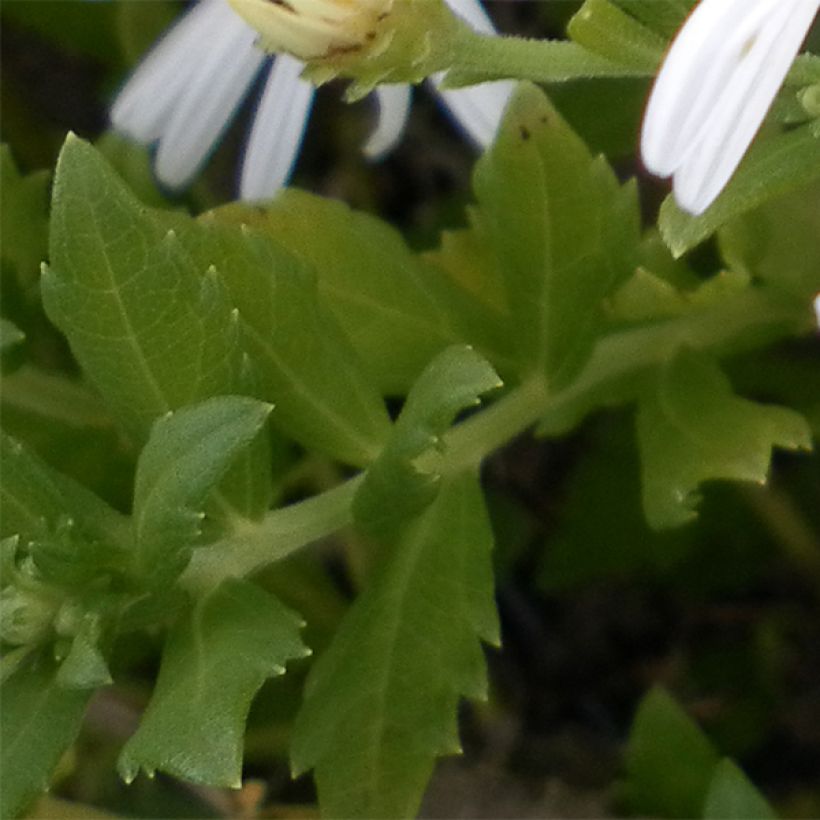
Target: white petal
[479, 108]
[277, 132]
[394, 106]
[209, 103]
[742, 107]
[817, 309]
[147, 99]
[693, 76]
[473, 12]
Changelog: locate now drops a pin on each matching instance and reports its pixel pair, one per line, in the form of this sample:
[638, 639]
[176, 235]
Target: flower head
[367, 41]
[318, 29]
[714, 89]
[185, 93]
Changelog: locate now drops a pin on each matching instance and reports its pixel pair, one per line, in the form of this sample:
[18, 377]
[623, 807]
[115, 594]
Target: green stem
[280, 533]
[479, 57]
[727, 328]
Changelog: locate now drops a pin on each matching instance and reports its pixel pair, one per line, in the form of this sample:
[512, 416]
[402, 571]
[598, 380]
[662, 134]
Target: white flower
[716, 85]
[185, 93]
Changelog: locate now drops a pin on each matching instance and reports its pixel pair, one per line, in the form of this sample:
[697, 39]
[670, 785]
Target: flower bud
[369, 41]
[25, 616]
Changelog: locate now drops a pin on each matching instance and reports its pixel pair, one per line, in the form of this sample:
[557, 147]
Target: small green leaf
[732, 796]
[84, 667]
[394, 488]
[186, 455]
[381, 703]
[129, 298]
[386, 300]
[38, 722]
[692, 429]
[215, 659]
[774, 166]
[563, 232]
[670, 762]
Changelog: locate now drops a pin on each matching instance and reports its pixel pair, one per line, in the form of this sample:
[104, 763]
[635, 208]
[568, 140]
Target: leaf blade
[692, 429]
[216, 658]
[185, 457]
[380, 704]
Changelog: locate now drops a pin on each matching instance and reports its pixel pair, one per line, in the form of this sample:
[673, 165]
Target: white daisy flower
[714, 89]
[187, 90]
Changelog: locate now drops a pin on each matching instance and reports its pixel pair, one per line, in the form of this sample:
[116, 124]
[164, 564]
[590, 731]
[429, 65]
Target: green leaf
[38, 722]
[34, 497]
[386, 300]
[563, 231]
[774, 166]
[186, 455]
[602, 27]
[394, 487]
[692, 429]
[670, 762]
[215, 659]
[381, 703]
[297, 356]
[732, 796]
[662, 16]
[779, 242]
[129, 298]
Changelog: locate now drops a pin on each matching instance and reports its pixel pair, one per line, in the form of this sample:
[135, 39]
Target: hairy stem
[724, 329]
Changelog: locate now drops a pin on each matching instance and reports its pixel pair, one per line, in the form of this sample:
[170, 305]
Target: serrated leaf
[774, 166]
[732, 796]
[215, 659]
[394, 488]
[669, 761]
[381, 703]
[386, 300]
[38, 722]
[129, 299]
[564, 232]
[186, 455]
[304, 363]
[692, 428]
